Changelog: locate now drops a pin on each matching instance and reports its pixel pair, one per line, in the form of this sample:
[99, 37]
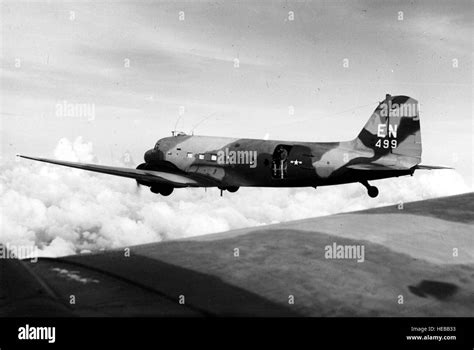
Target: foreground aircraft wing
[153, 176]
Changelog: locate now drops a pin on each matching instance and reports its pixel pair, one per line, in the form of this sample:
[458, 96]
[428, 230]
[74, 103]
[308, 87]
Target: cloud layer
[65, 211]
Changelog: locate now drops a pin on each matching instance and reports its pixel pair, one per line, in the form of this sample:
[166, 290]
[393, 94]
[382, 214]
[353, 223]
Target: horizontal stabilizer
[371, 166]
[431, 167]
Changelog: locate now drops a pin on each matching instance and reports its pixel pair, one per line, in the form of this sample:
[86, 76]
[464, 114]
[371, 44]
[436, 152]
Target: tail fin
[394, 130]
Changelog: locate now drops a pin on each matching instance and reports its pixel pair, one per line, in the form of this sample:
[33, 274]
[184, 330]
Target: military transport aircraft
[389, 145]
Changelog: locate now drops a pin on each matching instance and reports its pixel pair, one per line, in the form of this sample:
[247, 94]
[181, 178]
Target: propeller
[143, 166]
[138, 188]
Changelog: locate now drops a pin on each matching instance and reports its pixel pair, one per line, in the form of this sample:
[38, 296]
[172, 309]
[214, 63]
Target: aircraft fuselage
[232, 162]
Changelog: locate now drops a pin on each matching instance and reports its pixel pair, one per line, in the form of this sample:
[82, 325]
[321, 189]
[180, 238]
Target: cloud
[65, 211]
[77, 151]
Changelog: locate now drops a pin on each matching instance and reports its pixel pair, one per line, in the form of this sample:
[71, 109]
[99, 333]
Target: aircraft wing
[152, 176]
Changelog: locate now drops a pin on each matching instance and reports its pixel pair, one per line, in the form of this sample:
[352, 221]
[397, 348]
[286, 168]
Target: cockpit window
[178, 133]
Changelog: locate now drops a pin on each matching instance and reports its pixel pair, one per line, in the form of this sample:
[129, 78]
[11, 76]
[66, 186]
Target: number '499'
[386, 143]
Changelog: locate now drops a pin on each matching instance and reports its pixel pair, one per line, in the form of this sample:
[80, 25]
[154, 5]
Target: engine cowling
[153, 156]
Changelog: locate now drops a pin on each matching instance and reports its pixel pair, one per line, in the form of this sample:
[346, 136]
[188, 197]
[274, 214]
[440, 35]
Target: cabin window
[214, 157]
[189, 154]
[201, 156]
[169, 153]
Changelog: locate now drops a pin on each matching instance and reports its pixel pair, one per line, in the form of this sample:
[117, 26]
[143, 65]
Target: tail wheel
[373, 191]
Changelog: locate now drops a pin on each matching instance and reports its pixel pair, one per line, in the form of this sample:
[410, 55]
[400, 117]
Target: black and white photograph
[302, 166]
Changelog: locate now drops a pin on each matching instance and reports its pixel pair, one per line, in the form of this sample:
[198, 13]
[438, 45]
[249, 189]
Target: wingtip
[25, 157]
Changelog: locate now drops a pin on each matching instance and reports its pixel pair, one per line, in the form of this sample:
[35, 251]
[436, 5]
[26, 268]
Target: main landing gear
[163, 190]
[231, 189]
[372, 191]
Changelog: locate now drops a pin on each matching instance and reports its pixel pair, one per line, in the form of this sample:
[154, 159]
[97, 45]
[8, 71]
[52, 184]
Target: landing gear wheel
[232, 189]
[373, 191]
[155, 190]
[166, 191]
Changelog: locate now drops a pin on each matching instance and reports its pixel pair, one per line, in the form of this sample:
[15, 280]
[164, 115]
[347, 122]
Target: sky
[306, 70]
